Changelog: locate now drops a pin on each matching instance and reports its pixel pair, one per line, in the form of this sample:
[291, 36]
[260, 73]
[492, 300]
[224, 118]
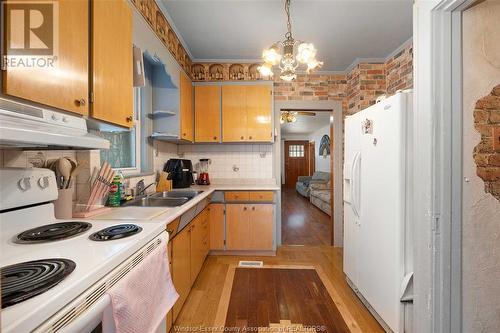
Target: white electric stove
[80, 268]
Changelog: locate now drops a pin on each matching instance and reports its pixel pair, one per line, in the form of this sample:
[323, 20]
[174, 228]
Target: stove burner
[27, 279]
[116, 232]
[53, 232]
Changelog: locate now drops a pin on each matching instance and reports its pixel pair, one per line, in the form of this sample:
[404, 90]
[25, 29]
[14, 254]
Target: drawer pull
[253, 208]
[244, 208]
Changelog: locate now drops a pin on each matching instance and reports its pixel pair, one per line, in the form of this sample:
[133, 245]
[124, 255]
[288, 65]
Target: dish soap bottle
[114, 196]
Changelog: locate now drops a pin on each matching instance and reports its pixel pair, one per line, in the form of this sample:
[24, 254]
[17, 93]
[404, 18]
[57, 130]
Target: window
[296, 150]
[125, 144]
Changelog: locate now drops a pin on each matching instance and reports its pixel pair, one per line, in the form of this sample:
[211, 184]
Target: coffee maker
[203, 178]
[180, 172]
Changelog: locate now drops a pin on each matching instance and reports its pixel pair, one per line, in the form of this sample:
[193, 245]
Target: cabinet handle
[215, 138]
[253, 208]
[242, 137]
[244, 208]
[250, 137]
[170, 231]
[183, 134]
[129, 119]
[80, 102]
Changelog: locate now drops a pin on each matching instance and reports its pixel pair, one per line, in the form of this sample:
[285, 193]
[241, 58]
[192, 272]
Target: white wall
[322, 163]
[481, 211]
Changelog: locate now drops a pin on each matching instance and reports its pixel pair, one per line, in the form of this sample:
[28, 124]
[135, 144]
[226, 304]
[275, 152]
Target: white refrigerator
[377, 189]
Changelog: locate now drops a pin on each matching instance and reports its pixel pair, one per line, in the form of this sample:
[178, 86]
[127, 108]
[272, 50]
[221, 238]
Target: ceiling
[306, 124]
[342, 31]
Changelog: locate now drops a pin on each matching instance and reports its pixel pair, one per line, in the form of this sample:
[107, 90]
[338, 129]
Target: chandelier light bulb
[266, 70]
[313, 64]
[271, 55]
[306, 53]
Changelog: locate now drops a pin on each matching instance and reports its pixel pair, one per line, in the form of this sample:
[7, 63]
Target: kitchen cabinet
[66, 86]
[186, 108]
[112, 72]
[207, 113]
[170, 315]
[246, 113]
[249, 226]
[181, 267]
[236, 196]
[199, 243]
[216, 222]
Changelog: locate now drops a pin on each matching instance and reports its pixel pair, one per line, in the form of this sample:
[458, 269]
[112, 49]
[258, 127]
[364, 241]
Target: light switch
[496, 138]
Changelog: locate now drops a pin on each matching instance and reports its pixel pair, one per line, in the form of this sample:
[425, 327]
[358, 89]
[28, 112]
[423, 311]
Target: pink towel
[143, 297]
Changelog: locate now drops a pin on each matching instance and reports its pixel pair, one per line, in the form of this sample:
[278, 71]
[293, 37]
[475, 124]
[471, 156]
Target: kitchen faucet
[140, 187]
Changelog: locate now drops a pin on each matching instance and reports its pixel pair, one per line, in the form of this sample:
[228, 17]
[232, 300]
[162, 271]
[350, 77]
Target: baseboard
[261, 253]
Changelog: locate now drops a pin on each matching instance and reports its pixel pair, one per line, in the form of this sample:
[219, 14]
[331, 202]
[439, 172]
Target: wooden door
[112, 71]
[64, 85]
[186, 108]
[197, 248]
[234, 115]
[261, 227]
[207, 113]
[237, 227]
[181, 267]
[217, 235]
[311, 158]
[259, 113]
[296, 161]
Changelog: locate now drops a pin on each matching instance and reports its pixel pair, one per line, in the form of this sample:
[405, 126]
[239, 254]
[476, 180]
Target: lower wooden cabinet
[189, 248]
[249, 226]
[217, 234]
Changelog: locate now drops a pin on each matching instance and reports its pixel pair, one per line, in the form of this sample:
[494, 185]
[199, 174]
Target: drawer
[236, 196]
[261, 196]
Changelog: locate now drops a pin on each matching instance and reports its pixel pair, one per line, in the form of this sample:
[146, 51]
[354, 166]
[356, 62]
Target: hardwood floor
[302, 223]
[200, 309]
[261, 297]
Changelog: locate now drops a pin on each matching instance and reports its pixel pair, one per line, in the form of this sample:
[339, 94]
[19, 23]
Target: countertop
[171, 213]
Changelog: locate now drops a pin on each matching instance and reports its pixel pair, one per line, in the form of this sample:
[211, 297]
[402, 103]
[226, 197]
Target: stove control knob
[24, 183]
[43, 182]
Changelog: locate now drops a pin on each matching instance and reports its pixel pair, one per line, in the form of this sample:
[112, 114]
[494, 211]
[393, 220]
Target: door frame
[437, 176]
[337, 142]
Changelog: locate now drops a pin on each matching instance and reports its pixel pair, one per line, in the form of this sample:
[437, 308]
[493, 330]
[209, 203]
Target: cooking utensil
[64, 167]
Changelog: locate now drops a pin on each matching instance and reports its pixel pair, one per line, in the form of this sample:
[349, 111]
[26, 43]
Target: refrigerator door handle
[354, 184]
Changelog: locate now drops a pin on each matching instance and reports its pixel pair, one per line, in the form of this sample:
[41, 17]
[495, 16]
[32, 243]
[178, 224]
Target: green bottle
[114, 196]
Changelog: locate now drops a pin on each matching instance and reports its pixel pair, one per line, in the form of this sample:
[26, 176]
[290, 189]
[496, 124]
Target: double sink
[164, 199]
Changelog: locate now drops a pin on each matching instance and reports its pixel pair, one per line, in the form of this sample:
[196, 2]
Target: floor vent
[244, 263]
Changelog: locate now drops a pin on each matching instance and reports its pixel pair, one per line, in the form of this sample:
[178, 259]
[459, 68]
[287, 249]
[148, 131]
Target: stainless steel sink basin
[157, 202]
[189, 194]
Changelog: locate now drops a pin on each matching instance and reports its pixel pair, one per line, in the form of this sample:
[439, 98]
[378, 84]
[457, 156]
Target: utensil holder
[63, 206]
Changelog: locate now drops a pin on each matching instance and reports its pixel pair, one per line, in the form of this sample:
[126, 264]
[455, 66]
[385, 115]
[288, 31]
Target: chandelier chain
[288, 35]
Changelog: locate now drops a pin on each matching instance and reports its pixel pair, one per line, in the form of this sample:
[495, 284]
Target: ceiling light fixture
[289, 54]
[288, 117]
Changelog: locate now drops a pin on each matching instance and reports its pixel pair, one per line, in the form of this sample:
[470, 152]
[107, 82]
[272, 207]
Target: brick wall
[366, 82]
[399, 70]
[486, 118]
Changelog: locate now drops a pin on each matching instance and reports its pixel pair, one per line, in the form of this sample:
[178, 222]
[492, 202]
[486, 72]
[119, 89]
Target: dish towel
[141, 300]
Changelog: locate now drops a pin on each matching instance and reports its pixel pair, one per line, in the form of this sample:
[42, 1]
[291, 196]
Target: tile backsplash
[231, 161]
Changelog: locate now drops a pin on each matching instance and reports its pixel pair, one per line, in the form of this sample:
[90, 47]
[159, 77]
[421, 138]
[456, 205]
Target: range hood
[23, 125]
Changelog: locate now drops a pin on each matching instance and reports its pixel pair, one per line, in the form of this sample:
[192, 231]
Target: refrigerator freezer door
[381, 250]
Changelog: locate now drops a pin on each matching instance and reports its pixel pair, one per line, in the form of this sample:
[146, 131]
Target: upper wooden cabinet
[112, 72]
[65, 85]
[207, 113]
[247, 113]
[186, 108]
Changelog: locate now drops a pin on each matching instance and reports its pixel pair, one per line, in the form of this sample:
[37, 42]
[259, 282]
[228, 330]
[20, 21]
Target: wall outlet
[496, 138]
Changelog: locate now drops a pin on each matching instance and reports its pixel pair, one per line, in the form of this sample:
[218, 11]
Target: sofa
[304, 182]
[320, 196]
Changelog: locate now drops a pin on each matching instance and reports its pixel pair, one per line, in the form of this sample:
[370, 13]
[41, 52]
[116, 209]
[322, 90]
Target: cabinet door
[64, 86]
[170, 320]
[181, 267]
[237, 227]
[216, 212]
[112, 62]
[207, 113]
[259, 108]
[261, 227]
[197, 247]
[205, 224]
[186, 108]
[234, 115]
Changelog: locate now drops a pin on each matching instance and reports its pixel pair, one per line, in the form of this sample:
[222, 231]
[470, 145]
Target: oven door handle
[88, 320]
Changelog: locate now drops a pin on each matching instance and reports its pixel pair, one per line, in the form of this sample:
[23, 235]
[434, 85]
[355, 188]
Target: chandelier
[288, 117]
[289, 54]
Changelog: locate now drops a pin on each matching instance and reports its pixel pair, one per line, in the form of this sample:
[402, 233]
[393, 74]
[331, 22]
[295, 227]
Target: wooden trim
[332, 181]
[259, 253]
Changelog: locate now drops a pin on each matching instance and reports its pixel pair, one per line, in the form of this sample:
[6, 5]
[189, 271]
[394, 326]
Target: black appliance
[180, 172]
